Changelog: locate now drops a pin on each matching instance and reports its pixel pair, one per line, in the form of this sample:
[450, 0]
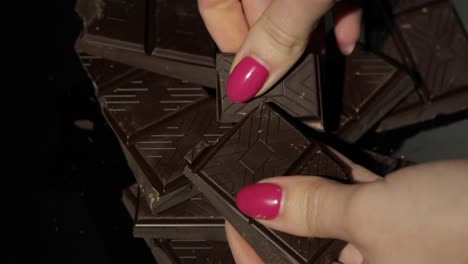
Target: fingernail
[261, 200]
[246, 80]
[347, 49]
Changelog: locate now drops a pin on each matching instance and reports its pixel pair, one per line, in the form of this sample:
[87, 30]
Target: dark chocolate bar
[298, 93]
[194, 219]
[190, 251]
[432, 41]
[265, 144]
[103, 72]
[151, 35]
[382, 164]
[140, 100]
[130, 199]
[373, 87]
[158, 120]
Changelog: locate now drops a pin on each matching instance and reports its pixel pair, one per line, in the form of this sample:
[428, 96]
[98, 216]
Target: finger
[225, 21]
[272, 46]
[253, 9]
[347, 16]
[300, 205]
[241, 251]
[351, 255]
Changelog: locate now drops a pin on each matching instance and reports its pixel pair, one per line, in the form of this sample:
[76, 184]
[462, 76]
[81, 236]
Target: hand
[269, 36]
[414, 215]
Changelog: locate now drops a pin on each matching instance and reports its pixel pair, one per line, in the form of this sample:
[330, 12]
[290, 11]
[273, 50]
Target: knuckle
[281, 38]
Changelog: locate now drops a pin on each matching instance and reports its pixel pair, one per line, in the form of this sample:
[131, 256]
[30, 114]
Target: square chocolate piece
[298, 93]
[223, 169]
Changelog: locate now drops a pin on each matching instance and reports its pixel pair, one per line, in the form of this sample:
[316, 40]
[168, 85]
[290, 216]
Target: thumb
[273, 45]
[300, 205]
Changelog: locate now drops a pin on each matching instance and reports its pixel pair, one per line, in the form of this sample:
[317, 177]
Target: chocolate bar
[433, 50]
[194, 219]
[151, 35]
[265, 144]
[190, 251]
[158, 119]
[130, 199]
[103, 72]
[373, 87]
[298, 93]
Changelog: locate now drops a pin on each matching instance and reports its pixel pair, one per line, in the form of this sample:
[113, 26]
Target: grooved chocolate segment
[158, 120]
[190, 251]
[433, 37]
[143, 99]
[151, 35]
[130, 199]
[175, 22]
[122, 20]
[195, 219]
[102, 71]
[220, 171]
[298, 93]
[159, 153]
[373, 87]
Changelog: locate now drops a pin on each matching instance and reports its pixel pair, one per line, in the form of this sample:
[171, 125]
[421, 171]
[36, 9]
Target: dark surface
[431, 41]
[83, 221]
[150, 35]
[262, 145]
[68, 205]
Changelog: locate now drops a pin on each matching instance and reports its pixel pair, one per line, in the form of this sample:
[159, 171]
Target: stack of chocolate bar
[161, 86]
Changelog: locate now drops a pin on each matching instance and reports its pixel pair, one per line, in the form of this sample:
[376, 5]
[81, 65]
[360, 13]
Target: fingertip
[347, 26]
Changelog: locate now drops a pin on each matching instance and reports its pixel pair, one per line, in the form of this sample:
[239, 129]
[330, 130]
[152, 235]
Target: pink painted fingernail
[246, 80]
[261, 200]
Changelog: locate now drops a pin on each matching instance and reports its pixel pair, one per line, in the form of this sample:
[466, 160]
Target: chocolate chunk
[158, 120]
[194, 219]
[373, 87]
[298, 93]
[130, 199]
[171, 24]
[151, 35]
[139, 101]
[265, 144]
[118, 20]
[382, 164]
[431, 49]
[103, 72]
[190, 251]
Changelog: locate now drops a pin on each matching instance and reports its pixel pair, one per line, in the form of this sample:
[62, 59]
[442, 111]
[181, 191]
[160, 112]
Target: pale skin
[418, 214]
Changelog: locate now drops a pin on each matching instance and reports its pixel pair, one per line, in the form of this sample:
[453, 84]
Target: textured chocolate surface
[151, 35]
[373, 87]
[103, 72]
[265, 144]
[141, 100]
[158, 120]
[432, 40]
[194, 219]
[190, 251]
[298, 93]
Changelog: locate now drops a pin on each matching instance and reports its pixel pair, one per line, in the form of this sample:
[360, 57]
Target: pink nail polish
[261, 200]
[246, 80]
